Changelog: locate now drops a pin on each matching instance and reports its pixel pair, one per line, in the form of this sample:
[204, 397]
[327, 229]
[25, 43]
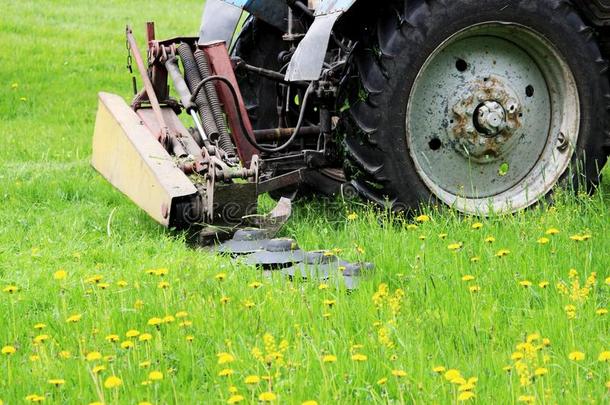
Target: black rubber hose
[193, 78]
[250, 137]
[224, 141]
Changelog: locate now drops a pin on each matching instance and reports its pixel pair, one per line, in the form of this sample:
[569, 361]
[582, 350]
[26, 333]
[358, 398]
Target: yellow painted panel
[128, 155]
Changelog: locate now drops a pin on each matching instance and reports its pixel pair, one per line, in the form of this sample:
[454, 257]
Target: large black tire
[396, 46]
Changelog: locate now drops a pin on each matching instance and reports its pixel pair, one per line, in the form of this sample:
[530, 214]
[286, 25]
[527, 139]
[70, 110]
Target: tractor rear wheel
[481, 105]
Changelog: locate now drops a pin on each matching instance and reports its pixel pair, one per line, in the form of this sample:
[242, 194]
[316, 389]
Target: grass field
[499, 311]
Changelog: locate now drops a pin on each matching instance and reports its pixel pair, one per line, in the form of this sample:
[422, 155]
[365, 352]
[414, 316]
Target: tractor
[483, 106]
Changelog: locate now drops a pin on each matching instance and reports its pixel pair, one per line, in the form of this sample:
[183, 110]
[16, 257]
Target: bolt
[562, 142]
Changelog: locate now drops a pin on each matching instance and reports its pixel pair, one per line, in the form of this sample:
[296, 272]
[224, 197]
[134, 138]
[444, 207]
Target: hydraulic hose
[249, 137]
[224, 141]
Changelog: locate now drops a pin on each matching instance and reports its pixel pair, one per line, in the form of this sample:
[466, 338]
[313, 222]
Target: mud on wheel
[481, 105]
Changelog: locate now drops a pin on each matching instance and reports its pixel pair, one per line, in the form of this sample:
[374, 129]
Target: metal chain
[130, 67]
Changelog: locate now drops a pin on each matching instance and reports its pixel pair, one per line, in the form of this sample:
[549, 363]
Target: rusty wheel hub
[485, 117]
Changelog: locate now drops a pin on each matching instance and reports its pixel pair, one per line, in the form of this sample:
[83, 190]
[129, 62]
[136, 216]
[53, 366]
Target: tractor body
[482, 106]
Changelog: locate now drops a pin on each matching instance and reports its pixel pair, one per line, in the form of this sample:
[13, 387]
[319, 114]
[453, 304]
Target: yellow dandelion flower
[93, 356]
[225, 372]
[60, 274]
[468, 278]
[234, 399]
[220, 276]
[98, 369]
[34, 398]
[249, 304]
[64, 354]
[439, 369]
[422, 218]
[10, 289]
[138, 304]
[490, 239]
[113, 382]
[168, 319]
[352, 216]
[525, 283]
[552, 231]
[601, 311]
[477, 225]
[543, 241]
[329, 303]
[40, 326]
[128, 344]
[442, 235]
[576, 356]
[411, 227]
[329, 358]
[382, 381]
[190, 338]
[132, 333]
[252, 379]
[502, 253]
[74, 318]
[543, 284]
[465, 396]
[359, 357]
[604, 356]
[455, 246]
[112, 338]
[399, 373]
[57, 382]
[607, 281]
[267, 396]
[310, 402]
[122, 283]
[145, 337]
[528, 399]
[225, 358]
[163, 285]
[94, 279]
[255, 284]
[422, 237]
[474, 289]
[360, 249]
[41, 339]
[155, 376]
[225, 300]
[475, 259]
[546, 342]
[155, 321]
[507, 368]
[182, 314]
[452, 374]
[144, 403]
[540, 371]
[8, 350]
[323, 286]
[516, 356]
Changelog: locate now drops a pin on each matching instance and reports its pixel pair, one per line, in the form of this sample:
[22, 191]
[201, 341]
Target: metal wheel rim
[511, 86]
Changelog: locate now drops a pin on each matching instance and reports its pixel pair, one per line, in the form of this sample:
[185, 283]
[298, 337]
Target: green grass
[55, 215]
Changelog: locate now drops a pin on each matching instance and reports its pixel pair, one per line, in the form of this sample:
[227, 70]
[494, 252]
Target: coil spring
[224, 141]
[193, 78]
